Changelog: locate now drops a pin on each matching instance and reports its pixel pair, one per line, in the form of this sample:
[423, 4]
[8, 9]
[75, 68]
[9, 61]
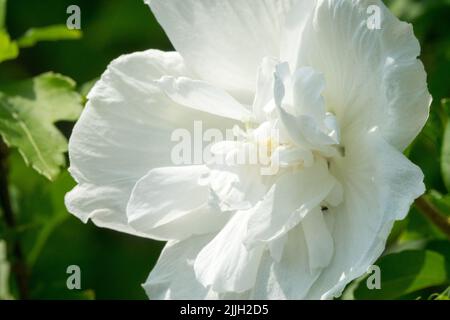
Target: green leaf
[50, 33]
[406, 272]
[445, 154]
[8, 48]
[28, 111]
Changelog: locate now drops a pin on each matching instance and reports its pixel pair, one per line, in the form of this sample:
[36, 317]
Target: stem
[433, 214]
[19, 267]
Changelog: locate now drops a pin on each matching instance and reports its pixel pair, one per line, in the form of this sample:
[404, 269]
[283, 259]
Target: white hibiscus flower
[347, 99]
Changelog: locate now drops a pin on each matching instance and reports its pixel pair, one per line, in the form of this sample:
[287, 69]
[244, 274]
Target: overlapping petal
[224, 42]
[290, 200]
[225, 264]
[171, 203]
[379, 184]
[290, 277]
[173, 276]
[124, 132]
[373, 76]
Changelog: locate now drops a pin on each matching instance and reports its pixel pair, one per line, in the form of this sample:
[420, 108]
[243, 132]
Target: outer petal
[170, 203]
[380, 185]
[291, 276]
[372, 76]
[224, 41]
[173, 276]
[225, 264]
[124, 131]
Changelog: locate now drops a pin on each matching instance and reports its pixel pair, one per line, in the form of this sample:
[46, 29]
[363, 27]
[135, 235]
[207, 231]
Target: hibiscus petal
[170, 203]
[379, 186]
[237, 187]
[104, 204]
[201, 96]
[291, 198]
[124, 132]
[290, 156]
[224, 41]
[291, 276]
[308, 85]
[372, 75]
[173, 276]
[264, 88]
[318, 239]
[225, 263]
[304, 130]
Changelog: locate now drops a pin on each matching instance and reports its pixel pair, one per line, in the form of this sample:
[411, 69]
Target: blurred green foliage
[409, 271]
[113, 265]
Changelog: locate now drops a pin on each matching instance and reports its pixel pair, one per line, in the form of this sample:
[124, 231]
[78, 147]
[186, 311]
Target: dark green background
[113, 265]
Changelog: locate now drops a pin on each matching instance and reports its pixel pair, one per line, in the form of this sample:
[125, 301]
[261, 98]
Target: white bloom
[346, 99]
